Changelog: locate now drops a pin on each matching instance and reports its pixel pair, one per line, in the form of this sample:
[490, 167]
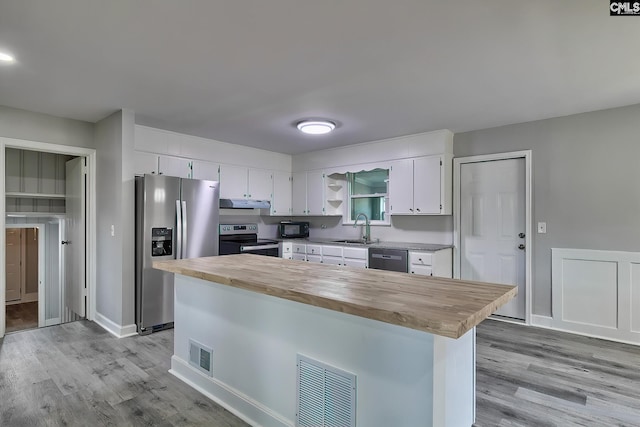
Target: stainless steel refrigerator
[176, 218]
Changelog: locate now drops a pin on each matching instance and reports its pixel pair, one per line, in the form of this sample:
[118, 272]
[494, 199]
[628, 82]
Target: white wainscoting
[596, 293]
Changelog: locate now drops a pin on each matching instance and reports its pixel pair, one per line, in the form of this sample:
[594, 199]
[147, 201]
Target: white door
[492, 226]
[74, 242]
[14, 274]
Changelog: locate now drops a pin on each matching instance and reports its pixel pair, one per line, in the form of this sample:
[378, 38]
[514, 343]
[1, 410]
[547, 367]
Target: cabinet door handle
[521, 246]
[411, 209]
[418, 209]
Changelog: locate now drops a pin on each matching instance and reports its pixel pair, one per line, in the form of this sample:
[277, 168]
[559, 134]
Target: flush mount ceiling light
[316, 127]
[5, 57]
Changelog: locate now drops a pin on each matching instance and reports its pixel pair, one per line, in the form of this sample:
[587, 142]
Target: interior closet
[35, 215]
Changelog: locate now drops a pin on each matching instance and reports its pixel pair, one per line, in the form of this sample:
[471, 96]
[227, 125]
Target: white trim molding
[527, 156]
[113, 328]
[596, 293]
[90, 154]
[239, 404]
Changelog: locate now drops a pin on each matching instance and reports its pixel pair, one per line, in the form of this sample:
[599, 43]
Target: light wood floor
[536, 377]
[77, 375]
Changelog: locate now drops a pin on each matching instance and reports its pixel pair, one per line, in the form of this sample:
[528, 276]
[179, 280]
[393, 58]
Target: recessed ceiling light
[316, 127]
[5, 57]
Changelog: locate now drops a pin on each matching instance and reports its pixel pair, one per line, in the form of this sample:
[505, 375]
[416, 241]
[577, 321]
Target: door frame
[90, 272]
[457, 162]
[42, 236]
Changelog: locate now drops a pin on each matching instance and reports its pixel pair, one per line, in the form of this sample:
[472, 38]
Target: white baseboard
[239, 404]
[113, 328]
[541, 321]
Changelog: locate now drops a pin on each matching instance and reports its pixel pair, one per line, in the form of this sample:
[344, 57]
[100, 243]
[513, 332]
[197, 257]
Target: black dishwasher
[389, 259]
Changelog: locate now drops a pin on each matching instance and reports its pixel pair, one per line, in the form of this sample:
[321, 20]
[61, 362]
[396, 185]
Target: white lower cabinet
[286, 250]
[299, 257]
[438, 263]
[314, 258]
[355, 257]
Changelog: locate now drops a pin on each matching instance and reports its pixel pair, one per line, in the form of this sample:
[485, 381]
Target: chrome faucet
[367, 233]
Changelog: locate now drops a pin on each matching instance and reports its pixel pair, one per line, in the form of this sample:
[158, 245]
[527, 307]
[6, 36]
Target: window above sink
[368, 193]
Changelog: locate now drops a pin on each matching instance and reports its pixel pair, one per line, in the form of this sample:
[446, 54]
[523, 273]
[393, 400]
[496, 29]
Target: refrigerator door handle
[178, 230]
[184, 229]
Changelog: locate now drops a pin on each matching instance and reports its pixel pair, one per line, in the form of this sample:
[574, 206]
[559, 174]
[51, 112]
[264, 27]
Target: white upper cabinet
[299, 193]
[260, 184]
[145, 163]
[281, 199]
[401, 187]
[237, 182]
[234, 181]
[315, 193]
[308, 193]
[174, 166]
[205, 170]
[421, 186]
[427, 185]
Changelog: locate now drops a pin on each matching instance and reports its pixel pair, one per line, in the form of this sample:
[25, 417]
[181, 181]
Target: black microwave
[293, 229]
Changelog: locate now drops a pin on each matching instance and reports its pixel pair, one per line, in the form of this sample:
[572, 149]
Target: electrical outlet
[542, 227]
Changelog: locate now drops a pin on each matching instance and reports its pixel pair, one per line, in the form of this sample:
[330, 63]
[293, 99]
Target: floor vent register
[201, 357]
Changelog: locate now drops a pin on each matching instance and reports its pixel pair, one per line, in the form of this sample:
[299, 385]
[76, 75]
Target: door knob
[521, 246]
[521, 235]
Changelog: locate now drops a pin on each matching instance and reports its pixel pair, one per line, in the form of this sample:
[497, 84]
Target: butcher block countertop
[446, 307]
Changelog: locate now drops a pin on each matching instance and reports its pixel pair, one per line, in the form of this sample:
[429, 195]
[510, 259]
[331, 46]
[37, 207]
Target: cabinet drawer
[286, 247]
[332, 251]
[355, 253]
[422, 270]
[314, 250]
[299, 248]
[356, 263]
[332, 260]
[420, 258]
[314, 258]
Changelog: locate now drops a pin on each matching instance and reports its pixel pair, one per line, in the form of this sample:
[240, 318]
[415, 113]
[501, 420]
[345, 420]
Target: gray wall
[586, 182]
[115, 277]
[22, 124]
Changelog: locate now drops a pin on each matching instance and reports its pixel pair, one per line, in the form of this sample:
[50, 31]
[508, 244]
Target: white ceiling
[244, 71]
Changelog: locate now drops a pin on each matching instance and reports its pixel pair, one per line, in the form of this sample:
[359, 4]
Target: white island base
[404, 377]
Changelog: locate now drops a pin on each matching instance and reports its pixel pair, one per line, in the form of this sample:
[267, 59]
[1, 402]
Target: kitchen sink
[359, 242]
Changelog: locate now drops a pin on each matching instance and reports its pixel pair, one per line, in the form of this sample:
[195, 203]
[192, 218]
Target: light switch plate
[542, 227]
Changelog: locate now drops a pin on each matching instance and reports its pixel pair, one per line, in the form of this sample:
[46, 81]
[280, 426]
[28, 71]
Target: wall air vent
[325, 396]
[201, 357]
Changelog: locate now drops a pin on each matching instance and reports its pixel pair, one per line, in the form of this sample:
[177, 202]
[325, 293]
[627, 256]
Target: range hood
[244, 204]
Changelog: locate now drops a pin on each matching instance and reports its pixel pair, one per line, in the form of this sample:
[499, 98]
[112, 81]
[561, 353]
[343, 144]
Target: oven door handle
[258, 247]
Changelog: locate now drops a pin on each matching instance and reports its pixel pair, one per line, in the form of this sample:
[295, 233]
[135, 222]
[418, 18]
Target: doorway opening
[23, 271]
[37, 197]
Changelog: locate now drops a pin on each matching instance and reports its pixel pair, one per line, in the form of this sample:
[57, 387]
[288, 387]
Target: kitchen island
[403, 344]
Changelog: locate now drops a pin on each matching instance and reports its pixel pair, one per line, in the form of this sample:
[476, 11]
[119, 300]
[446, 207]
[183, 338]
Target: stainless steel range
[243, 239]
